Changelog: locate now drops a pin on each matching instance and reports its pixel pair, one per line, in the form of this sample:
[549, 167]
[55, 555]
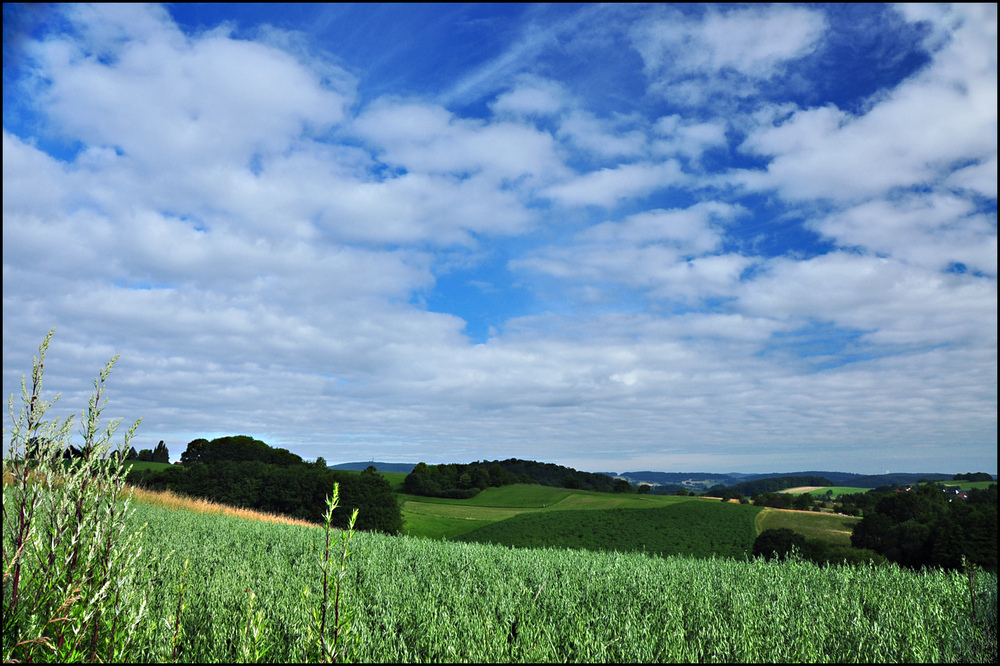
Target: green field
[543, 516]
[245, 590]
[838, 491]
[420, 600]
[438, 517]
[692, 527]
[832, 528]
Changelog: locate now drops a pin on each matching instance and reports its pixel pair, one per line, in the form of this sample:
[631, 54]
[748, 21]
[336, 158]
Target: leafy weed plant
[68, 559]
[74, 586]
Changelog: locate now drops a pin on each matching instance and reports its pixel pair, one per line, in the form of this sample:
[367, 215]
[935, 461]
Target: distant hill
[405, 468]
[901, 478]
[706, 480]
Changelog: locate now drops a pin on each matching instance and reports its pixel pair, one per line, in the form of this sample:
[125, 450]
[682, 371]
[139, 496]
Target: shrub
[778, 544]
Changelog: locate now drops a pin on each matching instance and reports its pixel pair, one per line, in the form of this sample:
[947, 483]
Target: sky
[614, 237]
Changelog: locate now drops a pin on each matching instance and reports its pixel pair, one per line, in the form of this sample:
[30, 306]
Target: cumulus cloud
[669, 254]
[531, 96]
[915, 135]
[261, 240]
[690, 58]
[936, 231]
[610, 185]
[138, 84]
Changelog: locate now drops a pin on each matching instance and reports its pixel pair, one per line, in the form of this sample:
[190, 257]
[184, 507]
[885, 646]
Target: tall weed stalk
[331, 617]
[68, 561]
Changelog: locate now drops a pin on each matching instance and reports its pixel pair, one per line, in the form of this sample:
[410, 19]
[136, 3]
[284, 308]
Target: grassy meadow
[832, 528]
[821, 492]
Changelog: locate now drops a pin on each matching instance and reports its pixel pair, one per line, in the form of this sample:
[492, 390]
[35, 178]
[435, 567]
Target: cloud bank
[690, 255]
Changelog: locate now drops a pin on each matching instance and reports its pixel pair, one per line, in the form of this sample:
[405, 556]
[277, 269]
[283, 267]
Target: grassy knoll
[691, 527]
[833, 529]
[438, 517]
[515, 496]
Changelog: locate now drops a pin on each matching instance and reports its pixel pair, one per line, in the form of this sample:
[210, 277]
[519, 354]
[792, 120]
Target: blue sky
[736, 238]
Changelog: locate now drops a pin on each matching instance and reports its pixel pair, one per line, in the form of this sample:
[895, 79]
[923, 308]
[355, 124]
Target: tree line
[245, 472]
[462, 481]
[770, 485]
[931, 526]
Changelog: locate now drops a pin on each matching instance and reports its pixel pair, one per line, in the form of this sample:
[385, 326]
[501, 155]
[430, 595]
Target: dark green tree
[779, 543]
[161, 454]
[623, 486]
[571, 482]
[803, 502]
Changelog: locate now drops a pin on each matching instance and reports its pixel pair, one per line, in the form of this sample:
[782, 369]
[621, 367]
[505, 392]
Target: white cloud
[531, 96]
[686, 138]
[602, 138]
[894, 304]
[610, 185]
[934, 231]
[915, 135]
[668, 253]
[165, 99]
[693, 230]
[429, 139]
[750, 44]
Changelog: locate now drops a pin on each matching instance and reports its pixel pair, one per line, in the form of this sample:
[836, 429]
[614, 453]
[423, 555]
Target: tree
[377, 500]
[778, 543]
[644, 489]
[803, 502]
[623, 486]
[160, 453]
[571, 482]
[145, 455]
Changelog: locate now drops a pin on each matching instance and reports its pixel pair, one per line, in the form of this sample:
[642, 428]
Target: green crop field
[224, 589]
[438, 517]
[697, 528]
[420, 600]
[832, 528]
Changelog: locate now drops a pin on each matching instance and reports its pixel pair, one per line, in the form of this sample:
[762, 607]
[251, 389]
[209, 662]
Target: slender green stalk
[337, 649]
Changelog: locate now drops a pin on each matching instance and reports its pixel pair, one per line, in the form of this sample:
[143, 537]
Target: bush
[779, 543]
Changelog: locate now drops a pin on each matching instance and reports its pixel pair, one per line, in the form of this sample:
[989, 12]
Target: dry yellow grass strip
[800, 489]
[170, 500]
